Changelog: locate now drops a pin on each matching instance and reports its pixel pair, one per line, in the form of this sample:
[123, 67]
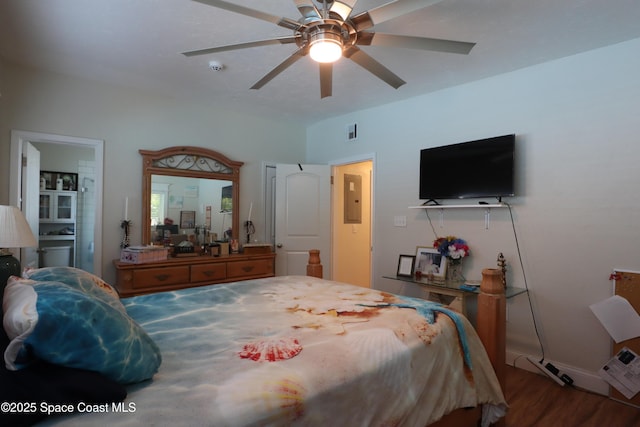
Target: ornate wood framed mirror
[192, 188]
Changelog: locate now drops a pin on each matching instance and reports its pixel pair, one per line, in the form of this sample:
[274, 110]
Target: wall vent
[352, 132]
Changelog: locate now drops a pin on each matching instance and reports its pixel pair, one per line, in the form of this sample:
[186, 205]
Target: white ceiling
[137, 43]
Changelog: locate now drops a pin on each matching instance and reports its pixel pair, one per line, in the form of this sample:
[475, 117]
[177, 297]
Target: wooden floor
[536, 400]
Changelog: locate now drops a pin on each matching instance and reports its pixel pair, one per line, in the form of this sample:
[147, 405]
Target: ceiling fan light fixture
[326, 31]
[325, 47]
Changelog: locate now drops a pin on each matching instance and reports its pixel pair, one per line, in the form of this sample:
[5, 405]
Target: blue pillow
[81, 280]
[56, 385]
[56, 323]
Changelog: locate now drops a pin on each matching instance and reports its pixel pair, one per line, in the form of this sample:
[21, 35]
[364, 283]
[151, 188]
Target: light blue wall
[578, 212]
[128, 120]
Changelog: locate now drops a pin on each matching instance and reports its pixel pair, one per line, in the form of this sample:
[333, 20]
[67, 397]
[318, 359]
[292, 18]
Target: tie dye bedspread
[302, 351]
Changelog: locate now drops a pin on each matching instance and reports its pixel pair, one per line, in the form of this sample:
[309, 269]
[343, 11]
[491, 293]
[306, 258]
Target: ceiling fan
[327, 31]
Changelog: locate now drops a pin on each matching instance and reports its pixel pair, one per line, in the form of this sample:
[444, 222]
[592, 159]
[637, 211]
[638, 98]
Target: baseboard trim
[582, 379]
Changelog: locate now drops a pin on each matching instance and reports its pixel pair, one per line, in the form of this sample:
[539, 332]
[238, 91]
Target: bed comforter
[302, 351]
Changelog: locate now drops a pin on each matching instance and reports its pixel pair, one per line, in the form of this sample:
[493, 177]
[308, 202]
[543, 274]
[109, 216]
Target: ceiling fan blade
[373, 66]
[343, 7]
[388, 11]
[280, 68]
[282, 22]
[326, 79]
[280, 40]
[308, 10]
[411, 42]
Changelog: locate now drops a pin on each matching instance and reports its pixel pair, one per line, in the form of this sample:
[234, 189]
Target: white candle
[250, 209]
[126, 208]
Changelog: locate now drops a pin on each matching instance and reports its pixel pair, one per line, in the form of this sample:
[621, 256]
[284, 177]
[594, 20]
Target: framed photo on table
[187, 219]
[405, 265]
[430, 262]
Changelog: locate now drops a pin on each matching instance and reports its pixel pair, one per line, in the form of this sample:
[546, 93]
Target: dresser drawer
[260, 267]
[208, 272]
[185, 272]
[161, 276]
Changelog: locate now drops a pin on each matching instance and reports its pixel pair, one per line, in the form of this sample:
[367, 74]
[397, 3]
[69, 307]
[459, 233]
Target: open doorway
[352, 217]
[88, 227]
[351, 248]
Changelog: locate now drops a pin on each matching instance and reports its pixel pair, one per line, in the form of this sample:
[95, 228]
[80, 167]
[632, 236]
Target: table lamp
[14, 233]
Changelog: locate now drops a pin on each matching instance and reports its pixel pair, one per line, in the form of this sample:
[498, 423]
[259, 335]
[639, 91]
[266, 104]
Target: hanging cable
[435, 235]
[526, 285]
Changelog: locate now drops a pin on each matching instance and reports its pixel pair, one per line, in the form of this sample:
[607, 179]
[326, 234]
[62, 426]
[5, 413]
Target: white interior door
[303, 217]
[31, 200]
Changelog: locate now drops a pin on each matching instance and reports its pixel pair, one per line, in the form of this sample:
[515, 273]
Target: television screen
[481, 168]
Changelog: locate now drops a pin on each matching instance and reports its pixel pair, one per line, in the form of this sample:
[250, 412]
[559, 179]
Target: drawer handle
[209, 273]
[248, 268]
[162, 277]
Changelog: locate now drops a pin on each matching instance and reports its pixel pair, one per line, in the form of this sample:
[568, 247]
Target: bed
[293, 350]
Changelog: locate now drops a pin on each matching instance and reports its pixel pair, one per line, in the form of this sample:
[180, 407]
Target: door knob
[279, 245]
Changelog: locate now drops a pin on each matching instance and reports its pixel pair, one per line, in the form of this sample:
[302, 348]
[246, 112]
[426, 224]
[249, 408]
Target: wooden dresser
[178, 273]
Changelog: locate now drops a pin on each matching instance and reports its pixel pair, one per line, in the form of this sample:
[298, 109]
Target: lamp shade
[14, 229]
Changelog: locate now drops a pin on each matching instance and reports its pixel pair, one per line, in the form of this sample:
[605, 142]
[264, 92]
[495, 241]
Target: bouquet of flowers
[452, 247]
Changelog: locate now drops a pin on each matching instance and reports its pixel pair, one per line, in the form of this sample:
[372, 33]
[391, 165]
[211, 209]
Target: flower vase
[454, 271]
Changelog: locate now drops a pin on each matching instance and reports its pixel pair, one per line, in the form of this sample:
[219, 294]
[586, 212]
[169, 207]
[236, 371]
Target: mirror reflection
[183, 206]
[189, 196]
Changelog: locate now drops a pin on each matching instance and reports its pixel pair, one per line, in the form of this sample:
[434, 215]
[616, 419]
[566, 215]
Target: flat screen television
[473, 169]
